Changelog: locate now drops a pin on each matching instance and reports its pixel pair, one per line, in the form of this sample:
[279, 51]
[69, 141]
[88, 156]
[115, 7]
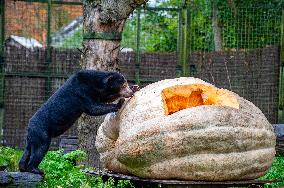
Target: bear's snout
[126, 92]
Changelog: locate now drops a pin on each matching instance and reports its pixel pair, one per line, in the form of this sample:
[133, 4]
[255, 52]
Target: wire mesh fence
[250, 35]
[241, 52]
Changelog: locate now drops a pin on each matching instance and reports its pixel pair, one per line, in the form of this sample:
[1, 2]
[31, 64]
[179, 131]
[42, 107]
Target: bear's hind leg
[25, 159]
[38, 152]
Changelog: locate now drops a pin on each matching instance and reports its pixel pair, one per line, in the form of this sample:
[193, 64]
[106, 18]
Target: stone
[19, 179]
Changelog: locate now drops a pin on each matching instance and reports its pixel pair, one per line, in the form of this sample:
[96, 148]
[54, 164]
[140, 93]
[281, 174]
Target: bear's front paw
[135, 88]
[35, 171]
[120, 103]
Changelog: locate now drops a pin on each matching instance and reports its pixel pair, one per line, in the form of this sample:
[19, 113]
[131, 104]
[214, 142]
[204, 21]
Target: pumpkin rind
[207, 142]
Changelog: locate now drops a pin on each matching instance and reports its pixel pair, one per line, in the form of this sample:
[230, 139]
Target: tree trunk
[103, 25]
[216, 27]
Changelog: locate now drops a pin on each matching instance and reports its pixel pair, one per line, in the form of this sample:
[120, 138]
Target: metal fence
[234, 46]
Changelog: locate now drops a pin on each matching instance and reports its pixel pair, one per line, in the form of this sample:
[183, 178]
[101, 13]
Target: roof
[26, 42]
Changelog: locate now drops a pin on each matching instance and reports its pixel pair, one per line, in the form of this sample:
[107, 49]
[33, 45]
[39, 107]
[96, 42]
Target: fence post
[179, 45]
[48, 52]
[2, 51]
[2, 29]
[281, 79]
[138, 55]
[184, 39]
[48, 40]
[2, 76]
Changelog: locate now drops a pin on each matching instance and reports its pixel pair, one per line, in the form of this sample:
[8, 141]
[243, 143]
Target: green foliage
[74, 41]
[159, 31]
[10, 157]
[201, 33]
[129, 33]
[276, 172]
[244, 24]
[77, 156]
[61, 171]
[250, 24]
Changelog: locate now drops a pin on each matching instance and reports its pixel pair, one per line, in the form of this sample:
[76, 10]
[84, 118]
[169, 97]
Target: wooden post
[2, 48]
[282, 39]
[48, 52]
[179, 45]
[2, 28]
[138, 53]
[186, 40]
[183, 39]
[281, 78]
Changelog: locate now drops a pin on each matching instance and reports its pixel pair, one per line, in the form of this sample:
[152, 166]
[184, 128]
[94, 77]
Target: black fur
[87, 91]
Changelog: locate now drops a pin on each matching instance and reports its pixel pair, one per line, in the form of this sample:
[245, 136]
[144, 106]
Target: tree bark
[101, 16]
[216, 27]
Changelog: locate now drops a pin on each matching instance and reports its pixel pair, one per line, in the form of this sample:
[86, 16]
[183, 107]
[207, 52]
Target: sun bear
[87, 91]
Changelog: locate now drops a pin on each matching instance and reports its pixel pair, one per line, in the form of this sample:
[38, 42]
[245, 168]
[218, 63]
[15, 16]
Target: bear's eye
[124, 85]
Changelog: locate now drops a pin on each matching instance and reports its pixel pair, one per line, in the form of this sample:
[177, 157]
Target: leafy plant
[276, 172]
[10, 157]
[61, 171]
[74, 41]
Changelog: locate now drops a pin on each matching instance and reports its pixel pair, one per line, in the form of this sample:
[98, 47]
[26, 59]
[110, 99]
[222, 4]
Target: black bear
[87, 91]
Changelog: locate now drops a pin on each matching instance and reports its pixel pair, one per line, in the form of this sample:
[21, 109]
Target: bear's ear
[109, 78]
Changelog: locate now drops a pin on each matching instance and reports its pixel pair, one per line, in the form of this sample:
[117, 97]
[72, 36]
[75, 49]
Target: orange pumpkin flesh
[180, 97]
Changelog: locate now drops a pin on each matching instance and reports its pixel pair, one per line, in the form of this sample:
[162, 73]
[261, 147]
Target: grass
[61, 170]
[276, 172]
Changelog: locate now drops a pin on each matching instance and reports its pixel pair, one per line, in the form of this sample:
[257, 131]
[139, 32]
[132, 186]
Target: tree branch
[116, 10]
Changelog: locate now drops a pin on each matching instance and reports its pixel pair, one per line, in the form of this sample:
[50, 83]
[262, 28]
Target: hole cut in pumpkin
[180, 97]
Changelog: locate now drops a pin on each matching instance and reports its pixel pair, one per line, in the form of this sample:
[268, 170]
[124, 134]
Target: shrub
[61, 171]
[276, 172]
[10, 157]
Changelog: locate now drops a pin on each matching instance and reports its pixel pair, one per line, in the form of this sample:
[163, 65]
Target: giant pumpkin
[187, 129]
